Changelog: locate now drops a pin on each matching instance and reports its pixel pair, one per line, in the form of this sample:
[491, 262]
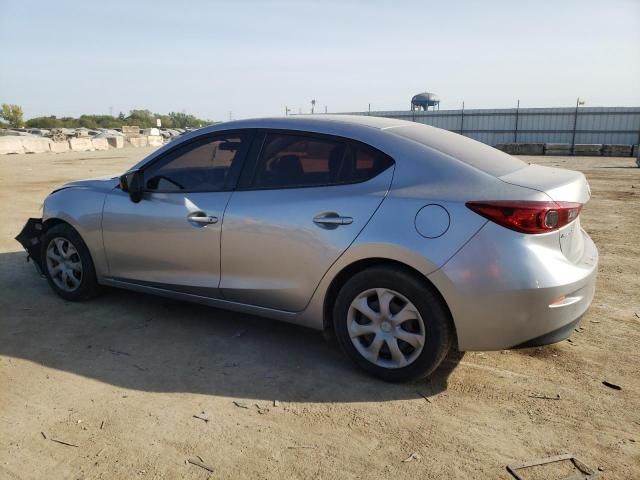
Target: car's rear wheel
[67, 264]
[392, 324]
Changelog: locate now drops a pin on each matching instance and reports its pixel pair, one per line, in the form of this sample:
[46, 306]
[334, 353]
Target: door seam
[384, 197]
[224, 212]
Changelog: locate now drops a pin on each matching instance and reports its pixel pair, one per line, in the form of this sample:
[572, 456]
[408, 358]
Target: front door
[301, 205]
[171, 238]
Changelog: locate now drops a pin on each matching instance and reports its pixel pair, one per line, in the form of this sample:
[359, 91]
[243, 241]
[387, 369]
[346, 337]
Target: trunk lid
[561, 186]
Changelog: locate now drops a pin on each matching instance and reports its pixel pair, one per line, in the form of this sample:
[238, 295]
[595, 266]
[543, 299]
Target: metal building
[583, 125]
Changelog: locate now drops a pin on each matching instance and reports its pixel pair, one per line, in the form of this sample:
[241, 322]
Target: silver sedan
[402, 239]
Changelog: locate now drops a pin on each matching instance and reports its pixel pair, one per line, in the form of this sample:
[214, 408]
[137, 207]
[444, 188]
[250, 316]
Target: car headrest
[288, 169]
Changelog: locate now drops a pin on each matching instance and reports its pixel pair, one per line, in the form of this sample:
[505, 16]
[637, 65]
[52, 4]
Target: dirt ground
[139, 385]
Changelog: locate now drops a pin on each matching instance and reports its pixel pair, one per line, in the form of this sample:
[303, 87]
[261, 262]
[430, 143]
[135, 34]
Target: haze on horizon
[254, 58]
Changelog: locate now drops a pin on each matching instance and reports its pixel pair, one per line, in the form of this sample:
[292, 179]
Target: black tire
[88, 287]
[435, 315]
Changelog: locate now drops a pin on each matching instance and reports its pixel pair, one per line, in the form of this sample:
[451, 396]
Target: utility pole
[575, 126]
[515, 131]
[313, 105]
[286, 111]
[462, 119]
[369, 109]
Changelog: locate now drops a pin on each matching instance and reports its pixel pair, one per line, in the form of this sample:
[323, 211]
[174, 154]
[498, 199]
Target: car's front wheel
[392, 324]
[67, 264]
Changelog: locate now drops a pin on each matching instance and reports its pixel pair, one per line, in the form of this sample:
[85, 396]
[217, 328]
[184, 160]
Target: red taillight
[528, 216]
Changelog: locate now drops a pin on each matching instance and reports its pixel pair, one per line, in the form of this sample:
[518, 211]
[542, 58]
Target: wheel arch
[358, 266]
[87, 285]
[52, 222]
[49, 223]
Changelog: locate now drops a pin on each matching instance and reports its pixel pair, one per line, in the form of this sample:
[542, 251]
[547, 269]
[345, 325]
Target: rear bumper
[556, 336]
[506, 290]
[29, 238]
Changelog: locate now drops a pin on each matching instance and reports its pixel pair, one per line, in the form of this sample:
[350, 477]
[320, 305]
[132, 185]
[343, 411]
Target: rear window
[474, 153]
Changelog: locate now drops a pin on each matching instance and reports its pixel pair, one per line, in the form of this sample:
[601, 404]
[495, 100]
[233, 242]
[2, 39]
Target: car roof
[462, 148]
[378, 132]
[300, 121]
[363, 128]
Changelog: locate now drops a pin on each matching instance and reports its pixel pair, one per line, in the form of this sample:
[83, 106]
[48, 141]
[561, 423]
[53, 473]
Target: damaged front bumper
[30, 238]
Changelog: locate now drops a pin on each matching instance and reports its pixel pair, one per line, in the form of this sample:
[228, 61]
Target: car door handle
[331, 219]
[201, 218]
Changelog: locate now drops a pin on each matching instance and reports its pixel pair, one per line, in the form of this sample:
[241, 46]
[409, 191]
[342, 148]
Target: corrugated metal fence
[607, 125]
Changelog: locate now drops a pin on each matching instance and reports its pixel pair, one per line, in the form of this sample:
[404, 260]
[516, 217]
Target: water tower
[425, 100]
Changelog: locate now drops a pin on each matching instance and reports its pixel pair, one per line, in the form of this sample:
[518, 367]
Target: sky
[244, 58]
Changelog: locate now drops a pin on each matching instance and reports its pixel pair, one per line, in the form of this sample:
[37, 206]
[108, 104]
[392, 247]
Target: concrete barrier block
[522, 148]
[504, 147]
[155, 140]
[11, 144]
[59, 147]
[115, 142]
[562, 153]
[531, 149]
[35, 144]
[557, 149]
[130, 130]
[138, 141]
[634, 151]
[588, 149]
[100, 144]
[150, 131]
[80, 144]
[616, 150]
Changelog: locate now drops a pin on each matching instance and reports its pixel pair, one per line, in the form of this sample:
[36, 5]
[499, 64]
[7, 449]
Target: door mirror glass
[133, 183]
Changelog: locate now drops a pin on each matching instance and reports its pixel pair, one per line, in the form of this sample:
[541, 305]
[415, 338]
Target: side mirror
[133, 184]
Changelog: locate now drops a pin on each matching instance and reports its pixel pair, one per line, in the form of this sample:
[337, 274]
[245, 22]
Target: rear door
[171, 238]
[302, 200]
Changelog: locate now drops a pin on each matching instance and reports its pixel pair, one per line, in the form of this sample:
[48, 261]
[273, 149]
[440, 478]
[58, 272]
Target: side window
[364, 163]
[305, 161]
[203, 166]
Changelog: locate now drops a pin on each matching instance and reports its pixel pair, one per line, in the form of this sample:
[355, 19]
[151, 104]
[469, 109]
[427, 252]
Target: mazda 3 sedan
[401, 238]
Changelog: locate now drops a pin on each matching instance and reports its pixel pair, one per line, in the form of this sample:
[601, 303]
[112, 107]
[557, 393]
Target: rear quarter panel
[423, 176]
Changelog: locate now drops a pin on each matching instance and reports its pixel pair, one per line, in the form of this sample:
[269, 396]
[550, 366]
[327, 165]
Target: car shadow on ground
[149, 343]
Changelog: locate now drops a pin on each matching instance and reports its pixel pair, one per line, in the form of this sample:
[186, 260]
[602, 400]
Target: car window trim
[233, 175]
[247, 179]
[250, 164]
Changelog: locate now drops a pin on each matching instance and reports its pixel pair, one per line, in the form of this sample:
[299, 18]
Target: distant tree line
[13, 116]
